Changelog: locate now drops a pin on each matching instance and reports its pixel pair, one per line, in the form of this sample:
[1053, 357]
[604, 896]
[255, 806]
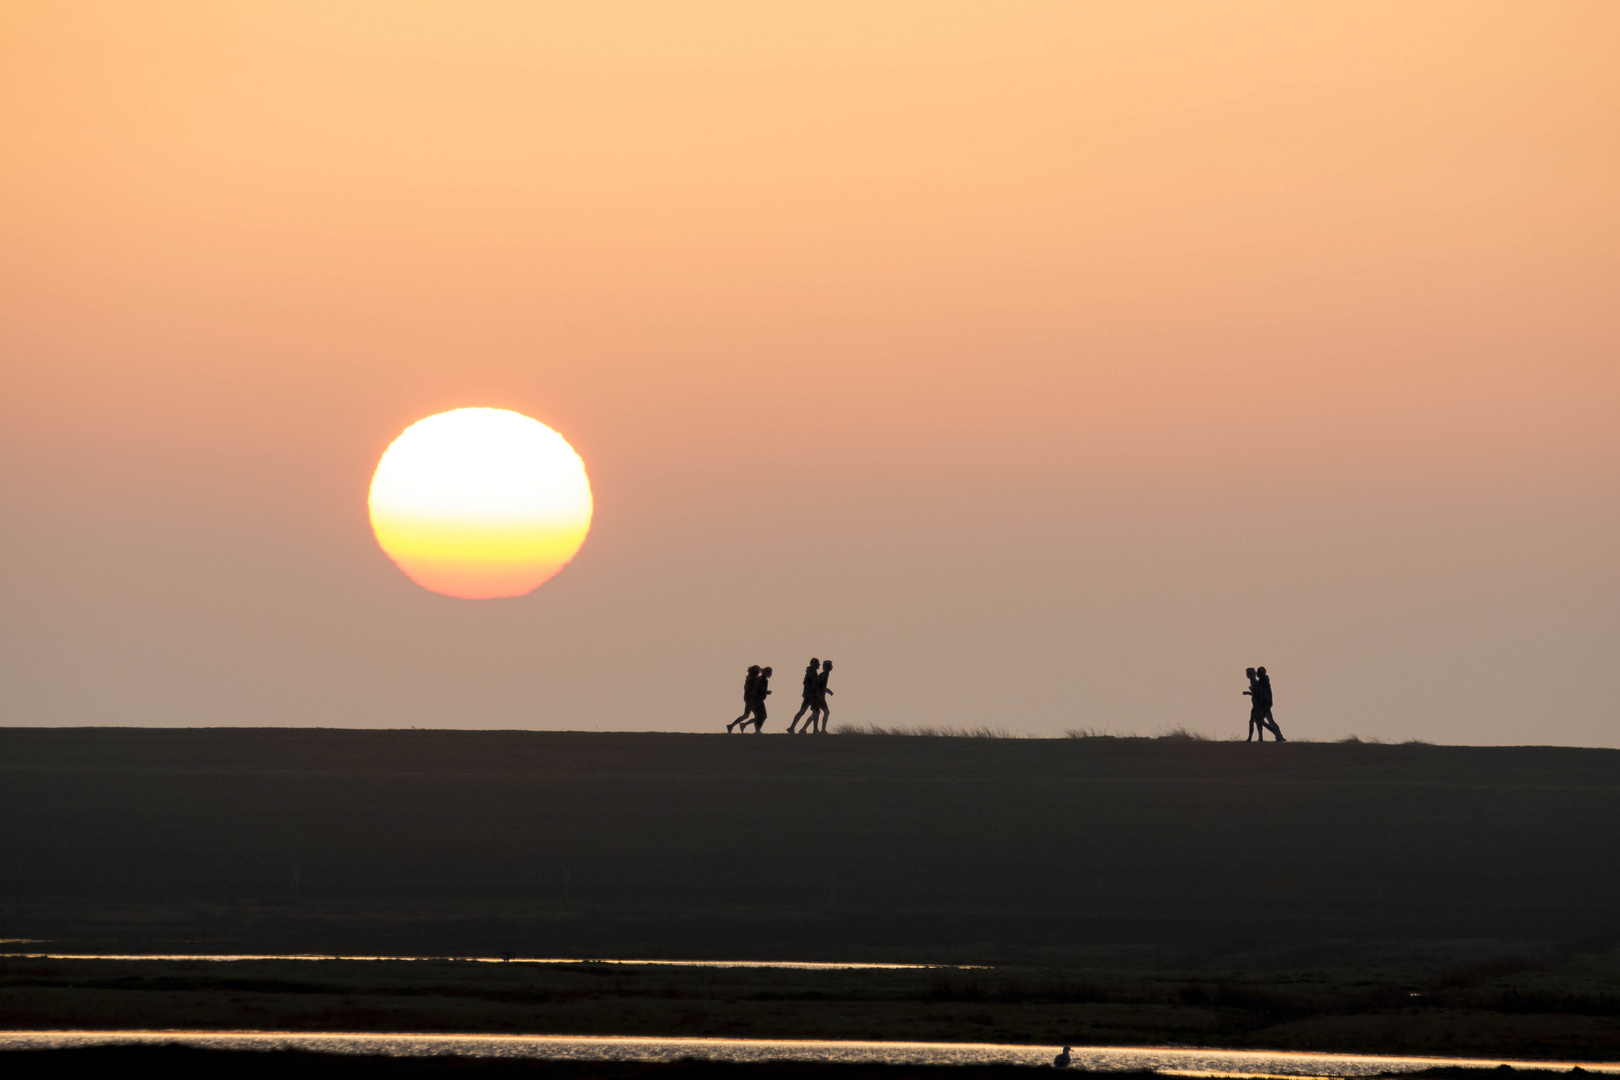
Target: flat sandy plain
[1311, 896]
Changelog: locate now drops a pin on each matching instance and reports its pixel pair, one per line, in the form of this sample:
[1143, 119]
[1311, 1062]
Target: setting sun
[480, 503]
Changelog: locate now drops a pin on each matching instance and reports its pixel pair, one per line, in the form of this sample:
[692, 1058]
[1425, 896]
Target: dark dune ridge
[1338, 897]
[185, 1061]
[836, 848]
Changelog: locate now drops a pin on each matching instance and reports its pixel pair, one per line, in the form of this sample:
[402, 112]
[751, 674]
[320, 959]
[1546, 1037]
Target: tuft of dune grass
[1182, 731]
[934, 731]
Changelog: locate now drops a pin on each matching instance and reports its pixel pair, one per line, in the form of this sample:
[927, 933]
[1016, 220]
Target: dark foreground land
[184, 1061]
[1340, 897]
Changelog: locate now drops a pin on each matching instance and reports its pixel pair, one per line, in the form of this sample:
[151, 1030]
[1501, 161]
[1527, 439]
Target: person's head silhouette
[814, 662]
[765, 671]
[1249, 671]
[1260, 671]
[826, 665]
[753, 669]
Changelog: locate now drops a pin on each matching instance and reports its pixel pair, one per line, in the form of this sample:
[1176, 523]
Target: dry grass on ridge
[986, 731]
[936, 731]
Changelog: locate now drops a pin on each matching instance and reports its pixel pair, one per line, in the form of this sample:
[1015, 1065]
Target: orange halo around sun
[480, 503]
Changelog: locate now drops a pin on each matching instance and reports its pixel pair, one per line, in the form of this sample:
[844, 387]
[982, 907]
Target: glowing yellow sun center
[480, 503]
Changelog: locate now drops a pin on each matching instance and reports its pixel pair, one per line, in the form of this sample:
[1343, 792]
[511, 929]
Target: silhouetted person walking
[819, 706]
[762, 690]
[750, 696]
[1266, 718]
[809, 694]
[1256, 725]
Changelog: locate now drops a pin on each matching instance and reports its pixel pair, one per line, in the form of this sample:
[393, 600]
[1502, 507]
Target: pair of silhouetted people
[1260, 718]
[815, 698]
[756, 688]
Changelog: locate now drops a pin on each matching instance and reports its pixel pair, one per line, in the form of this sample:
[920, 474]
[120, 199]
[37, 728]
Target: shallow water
[595, 1048]
[796, 965]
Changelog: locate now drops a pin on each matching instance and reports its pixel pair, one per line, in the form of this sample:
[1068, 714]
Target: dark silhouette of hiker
[762, 690]
[809, 694]
[818, 707]
[1253, 693]
[1264, 699]
[750, 686]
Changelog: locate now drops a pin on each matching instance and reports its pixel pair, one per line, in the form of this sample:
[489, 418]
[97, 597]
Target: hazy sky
[1044, 365]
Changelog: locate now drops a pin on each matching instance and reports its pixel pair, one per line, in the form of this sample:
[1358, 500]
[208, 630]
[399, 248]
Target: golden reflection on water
[1228, 1064]
[226, 958]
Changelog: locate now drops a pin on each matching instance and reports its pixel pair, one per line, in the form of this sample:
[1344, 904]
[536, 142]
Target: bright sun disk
[480, 503]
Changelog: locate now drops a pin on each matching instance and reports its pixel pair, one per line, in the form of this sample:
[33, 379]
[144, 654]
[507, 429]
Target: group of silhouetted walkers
[757, 687]
[1259, 694]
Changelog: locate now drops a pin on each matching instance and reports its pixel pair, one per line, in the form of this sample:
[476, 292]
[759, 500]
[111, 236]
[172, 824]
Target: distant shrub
[933, 731]
[1184, 732]
[985, 732]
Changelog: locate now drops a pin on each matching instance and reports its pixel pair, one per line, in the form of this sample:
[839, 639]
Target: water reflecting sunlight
[1183, 1062]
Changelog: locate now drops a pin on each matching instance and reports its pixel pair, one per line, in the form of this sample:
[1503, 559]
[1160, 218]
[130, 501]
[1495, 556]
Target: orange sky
[1045, 365]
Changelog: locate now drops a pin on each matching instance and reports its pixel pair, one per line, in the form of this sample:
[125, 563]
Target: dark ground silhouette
[1199, 889]
[1019, 834]
[181, 1061]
